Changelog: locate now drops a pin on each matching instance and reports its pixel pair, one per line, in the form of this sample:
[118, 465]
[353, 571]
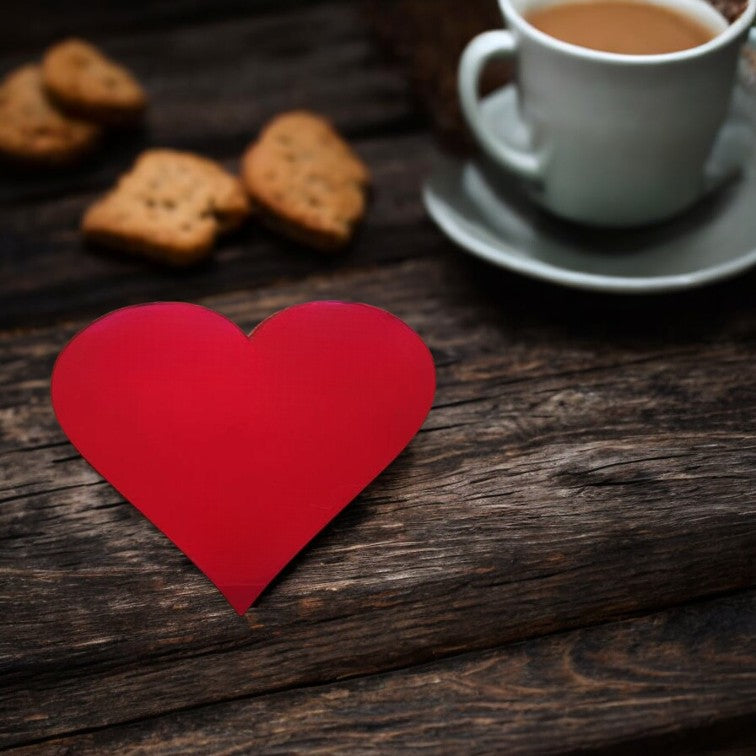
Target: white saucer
[491, 217]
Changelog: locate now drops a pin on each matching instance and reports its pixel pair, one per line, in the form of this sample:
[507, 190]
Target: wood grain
[566, 475]
[631, 683]
[588, 458]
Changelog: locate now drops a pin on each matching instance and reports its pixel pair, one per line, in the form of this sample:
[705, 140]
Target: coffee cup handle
[717, 170]
[479, 51]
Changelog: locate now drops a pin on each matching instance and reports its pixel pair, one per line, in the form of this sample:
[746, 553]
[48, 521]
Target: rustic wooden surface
[563, 558]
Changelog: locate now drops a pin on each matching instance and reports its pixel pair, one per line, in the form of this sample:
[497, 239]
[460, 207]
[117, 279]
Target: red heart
[240, 449]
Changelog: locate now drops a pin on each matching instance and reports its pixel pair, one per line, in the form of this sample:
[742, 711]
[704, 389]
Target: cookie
[84, 82]
[170, 207]
[32, 129]
[306, 181]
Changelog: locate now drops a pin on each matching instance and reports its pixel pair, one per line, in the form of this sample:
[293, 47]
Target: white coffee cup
[617, 140]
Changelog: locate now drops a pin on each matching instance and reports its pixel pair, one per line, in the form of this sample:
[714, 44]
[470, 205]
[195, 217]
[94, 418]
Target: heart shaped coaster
[241, 448]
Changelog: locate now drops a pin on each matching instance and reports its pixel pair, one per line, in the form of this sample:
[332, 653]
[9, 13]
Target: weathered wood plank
[584, 459]
[47, 272]
[221, 82]
[636, 684]
[212, 85]
[36, 23]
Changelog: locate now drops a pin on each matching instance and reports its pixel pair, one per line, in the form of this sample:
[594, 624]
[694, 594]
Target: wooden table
[563, 558]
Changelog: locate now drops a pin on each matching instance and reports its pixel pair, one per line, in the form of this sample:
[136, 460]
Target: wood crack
[53, 490]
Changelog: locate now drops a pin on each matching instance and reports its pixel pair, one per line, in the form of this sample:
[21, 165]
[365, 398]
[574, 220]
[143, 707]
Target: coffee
[631, 27]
